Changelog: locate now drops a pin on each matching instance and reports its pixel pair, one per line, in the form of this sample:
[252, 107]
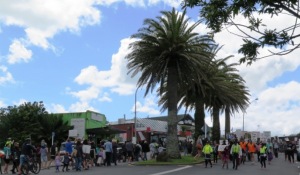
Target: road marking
[171, 171]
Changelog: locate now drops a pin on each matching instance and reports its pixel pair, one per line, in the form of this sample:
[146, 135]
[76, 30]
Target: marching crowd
[81, 155]
[238, 152]
[76, 154]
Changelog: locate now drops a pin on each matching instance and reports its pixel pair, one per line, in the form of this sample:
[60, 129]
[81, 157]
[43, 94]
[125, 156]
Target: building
[88, 125]
[153, 128]
[253, 135]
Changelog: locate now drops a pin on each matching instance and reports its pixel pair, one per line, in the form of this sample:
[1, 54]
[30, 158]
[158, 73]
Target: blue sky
[71, 56]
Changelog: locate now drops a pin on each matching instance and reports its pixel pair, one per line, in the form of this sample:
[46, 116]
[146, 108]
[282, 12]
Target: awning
[104, 131]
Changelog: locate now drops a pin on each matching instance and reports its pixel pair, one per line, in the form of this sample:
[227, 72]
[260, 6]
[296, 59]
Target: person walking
[270, 154]
[291, 148]
[145, 149]
[215, 152]
[79, 155]
[251, 150]
[57, 162]
[235, 150]
[15, 151]
[153, 149]
[129, 149]
[225, 155]
[115, 151]
[243, 145]
[44, 156]
[263, 155]
[52, 154]
[27, 150]
[108, 152]
[7, 157]
[207, 150]
[66, 161]
[275, 148]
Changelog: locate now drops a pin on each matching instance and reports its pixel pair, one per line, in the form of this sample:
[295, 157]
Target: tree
[54, 123]
[167, 52]
[220, 15]
[220, 85]
[30, 120]
[229, 92]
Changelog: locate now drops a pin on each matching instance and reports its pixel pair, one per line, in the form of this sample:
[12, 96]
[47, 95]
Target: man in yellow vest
[207, 150]
[235, 150]
[263, 155]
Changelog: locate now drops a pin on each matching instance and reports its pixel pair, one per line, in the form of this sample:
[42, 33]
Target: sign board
[97, 117]
[221, 147]
[134, 140]
[73, 133]
[86, 149]
[79, 125]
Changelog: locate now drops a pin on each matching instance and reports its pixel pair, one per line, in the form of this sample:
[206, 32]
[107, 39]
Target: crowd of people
[81, 155]
[240, 151]
[76, 154]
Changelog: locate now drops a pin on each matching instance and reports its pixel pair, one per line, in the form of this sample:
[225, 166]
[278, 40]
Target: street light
[244, 114]
[135, 113]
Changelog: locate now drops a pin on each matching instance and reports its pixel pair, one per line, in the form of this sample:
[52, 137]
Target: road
[278, 167]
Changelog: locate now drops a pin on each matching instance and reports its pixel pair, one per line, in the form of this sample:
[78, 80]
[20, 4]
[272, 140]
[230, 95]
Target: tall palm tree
[229, 92]
[167, 51]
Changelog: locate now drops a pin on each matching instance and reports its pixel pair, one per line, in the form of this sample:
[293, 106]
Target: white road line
[171, 171]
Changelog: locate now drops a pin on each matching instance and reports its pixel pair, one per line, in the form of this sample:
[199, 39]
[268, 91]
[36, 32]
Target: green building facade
[83, 122]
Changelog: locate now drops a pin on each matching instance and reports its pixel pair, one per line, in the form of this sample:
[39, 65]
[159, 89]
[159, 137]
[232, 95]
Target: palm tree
[53, 123]
[229, 92]
[168, 52]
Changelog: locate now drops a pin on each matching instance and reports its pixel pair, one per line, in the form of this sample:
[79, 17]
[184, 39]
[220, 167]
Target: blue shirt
[108, 146]
[68, 147]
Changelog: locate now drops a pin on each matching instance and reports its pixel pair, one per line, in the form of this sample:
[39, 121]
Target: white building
[255, 135]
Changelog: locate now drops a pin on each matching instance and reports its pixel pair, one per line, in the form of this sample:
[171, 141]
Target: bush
[162, 157]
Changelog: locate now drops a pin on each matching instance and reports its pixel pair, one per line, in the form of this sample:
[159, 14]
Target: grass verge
[185, 160]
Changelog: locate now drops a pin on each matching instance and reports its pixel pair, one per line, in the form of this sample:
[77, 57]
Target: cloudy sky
[70, 55]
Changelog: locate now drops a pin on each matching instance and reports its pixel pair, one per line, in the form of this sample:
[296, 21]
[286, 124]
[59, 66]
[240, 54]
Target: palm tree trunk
[227, 121]
[216, 124]
[199, 121]
[172, 96]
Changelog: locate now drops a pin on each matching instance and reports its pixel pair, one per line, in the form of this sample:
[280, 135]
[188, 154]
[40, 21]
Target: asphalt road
[278, 166]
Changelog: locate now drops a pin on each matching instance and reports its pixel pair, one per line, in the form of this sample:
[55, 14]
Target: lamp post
[244, 114]
[135, 113]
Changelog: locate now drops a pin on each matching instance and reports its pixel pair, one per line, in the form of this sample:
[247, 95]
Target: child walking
[66, 162]
[57, 162]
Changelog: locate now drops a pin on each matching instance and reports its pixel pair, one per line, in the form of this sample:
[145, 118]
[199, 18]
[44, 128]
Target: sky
[71, 55]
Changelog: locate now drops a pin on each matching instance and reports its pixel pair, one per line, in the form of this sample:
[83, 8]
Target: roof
[105, 130]
[180, 117]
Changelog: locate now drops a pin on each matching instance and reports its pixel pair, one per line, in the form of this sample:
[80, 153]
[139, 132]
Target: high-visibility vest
[236, 149]
[263, 150]
[207, 149]
[251, 147]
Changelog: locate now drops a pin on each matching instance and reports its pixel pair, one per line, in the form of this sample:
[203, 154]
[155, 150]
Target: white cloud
[149, 106]
[87, 94]
[18, 52]
[2, 104]
[42, 20]
[56, 108]
[116, 78]
[20, 102]
[141, 3]
[105, 98]
[81, 107]
[5, 76]
[265, 70]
